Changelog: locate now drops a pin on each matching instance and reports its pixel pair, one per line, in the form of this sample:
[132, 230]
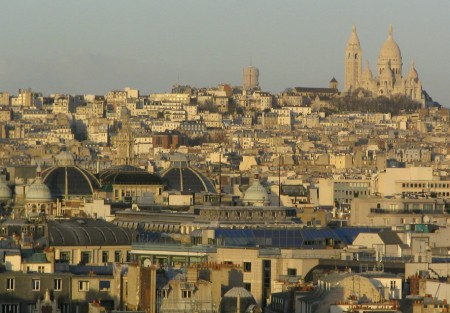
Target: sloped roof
[390, 238]
[289, 238]
[85, 232]
[37, 258]
[316, 90]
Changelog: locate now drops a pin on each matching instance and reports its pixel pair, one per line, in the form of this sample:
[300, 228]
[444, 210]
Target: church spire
[353, 40]
[353, 57]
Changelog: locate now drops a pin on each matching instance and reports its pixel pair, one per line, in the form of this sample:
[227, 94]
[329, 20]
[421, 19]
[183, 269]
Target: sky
[86, 46]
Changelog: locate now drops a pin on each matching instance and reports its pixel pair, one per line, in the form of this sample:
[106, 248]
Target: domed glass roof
[129, 175]
[181, 176]
[38, 191]
[74, 180]
[187, 179]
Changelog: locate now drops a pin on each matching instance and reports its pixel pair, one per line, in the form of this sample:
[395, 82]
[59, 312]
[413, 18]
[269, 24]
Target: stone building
[389, 79]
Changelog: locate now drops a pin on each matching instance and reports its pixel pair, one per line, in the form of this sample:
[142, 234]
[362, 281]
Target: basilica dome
[181, 176]
[390, 51]
[38, 191]
[256, 195]
[413, 72]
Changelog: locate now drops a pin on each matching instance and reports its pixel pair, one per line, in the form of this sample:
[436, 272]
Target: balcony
[408, 211]
[291, 279]
[173, 247]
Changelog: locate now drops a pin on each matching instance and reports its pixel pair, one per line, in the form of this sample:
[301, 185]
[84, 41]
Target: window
[247, 266]
[117, 256]
[105, 257]
[64, 256]
[35, 284]
[186, 294]
[41, 269]
[85, 257]
[104, 285]
[10, 284]
[83, 285]
[292, 271]
[248, 286]
[163, 293]
[64, 307]
[57, 284]
[9, 308]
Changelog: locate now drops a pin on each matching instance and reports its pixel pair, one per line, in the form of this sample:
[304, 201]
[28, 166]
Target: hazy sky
[87, 46]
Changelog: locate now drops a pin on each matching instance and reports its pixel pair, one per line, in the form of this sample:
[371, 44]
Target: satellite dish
[426, 219]
[147, 263]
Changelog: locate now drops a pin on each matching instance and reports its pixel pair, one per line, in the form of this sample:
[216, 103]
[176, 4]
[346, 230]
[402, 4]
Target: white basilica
[388, 80]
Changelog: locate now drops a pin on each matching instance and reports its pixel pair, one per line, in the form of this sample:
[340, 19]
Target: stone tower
[250, 78]
[353, 57]
[124, 143]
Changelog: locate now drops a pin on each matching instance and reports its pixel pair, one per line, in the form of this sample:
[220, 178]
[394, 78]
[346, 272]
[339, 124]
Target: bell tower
[353, 57]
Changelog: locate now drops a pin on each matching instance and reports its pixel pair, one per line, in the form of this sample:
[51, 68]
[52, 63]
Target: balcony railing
[409, 211]
[293, 279]
[174, 247]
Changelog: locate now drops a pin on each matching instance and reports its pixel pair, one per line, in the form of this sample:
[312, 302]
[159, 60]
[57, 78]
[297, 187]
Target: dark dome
[181, 176]
[132, 178]
[79, 181]
[129, 175]
[118, 169]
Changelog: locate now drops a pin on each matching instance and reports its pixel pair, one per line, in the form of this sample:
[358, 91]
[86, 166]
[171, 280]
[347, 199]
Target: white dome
[5, 191]
[390, 51]
[256, 193]
[38, 191]
[413, 72]
[65, 158]
[367, 73]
